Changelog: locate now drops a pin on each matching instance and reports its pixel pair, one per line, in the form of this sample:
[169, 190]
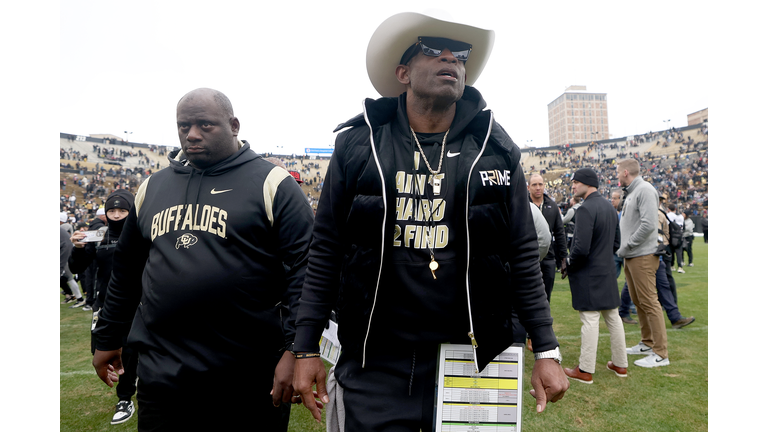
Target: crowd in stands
[99, 181]
[81, 203]
[682, 174]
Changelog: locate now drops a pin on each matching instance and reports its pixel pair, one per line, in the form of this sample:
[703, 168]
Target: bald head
[536, 188]
[207, 127]
[222, 101]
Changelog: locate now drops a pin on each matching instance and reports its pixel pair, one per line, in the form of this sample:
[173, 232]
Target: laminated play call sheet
[489, 401]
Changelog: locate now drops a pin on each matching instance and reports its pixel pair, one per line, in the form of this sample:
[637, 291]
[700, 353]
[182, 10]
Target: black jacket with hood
[102, 253]
[354, 229]
[559, 249]
[220, 254]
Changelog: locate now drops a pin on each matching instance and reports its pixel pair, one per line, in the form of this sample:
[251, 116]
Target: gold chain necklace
[433, 265]
[442, 151]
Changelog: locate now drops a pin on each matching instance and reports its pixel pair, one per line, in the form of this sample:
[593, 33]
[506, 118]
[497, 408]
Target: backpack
[675, 232]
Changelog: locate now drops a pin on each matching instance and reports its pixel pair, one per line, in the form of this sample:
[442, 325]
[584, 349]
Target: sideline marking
[80, 372]
[570, 337]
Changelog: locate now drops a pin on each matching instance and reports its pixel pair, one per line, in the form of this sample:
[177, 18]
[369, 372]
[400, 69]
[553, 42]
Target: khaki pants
[590, 331]
[641, 281]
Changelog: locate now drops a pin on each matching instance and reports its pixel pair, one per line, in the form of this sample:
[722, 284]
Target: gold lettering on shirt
[181, 217]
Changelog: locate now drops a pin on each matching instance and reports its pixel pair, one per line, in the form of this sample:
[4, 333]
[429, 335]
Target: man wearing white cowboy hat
[423, 235]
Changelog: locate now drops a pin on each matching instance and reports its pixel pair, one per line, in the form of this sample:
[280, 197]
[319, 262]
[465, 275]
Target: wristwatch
[554, 354]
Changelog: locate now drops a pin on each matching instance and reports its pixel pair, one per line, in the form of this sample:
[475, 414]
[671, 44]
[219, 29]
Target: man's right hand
[76, 237]
[108, 365]
[310, 372]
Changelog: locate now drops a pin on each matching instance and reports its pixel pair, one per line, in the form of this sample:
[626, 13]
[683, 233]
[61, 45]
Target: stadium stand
[674, 160]
[92, 167]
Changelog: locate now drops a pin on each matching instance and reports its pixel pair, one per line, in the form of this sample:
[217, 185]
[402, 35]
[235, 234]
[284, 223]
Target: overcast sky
[294, 70]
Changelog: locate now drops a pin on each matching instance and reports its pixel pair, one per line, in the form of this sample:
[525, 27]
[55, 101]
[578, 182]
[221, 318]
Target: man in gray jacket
[638, 244]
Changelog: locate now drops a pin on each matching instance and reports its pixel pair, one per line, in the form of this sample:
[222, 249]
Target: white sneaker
[680, 270]
[653, 360]
[123, 412]
[640, 349]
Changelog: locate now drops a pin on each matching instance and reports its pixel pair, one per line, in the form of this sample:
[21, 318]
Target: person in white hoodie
[639, 241]
[688, 237]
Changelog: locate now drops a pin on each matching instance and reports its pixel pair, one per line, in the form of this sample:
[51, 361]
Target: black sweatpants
[127, 386]
[395, 392]
[214, 411]
[88, 283]
[236, 401]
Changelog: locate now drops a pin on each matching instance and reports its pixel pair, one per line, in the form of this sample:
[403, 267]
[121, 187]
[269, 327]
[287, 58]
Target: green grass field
[672, 398]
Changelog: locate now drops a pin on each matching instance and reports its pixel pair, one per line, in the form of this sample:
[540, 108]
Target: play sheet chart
[488, 401]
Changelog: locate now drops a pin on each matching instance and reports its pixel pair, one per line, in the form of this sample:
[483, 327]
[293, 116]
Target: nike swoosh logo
[449, 154]
[214, 191]
[659, 361]
[644, 350]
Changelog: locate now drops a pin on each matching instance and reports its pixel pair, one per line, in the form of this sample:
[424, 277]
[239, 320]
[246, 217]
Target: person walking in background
[677, 250]
[688, 238]
[591, 278]
[558, 251]
[568, 219]
[72, 291]
[639, 243]
[627, 308]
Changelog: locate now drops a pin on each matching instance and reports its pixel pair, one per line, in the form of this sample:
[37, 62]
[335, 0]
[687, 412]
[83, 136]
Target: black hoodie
[496, 248]
[220, 254]
[83, 257]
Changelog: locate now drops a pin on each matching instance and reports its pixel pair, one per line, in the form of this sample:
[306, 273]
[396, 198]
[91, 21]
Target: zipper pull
[472, 337]
[474, 351]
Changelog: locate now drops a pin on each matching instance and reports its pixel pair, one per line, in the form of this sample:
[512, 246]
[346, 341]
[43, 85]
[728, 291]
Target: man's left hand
[549, 383]
[564, 269]
[282, 386]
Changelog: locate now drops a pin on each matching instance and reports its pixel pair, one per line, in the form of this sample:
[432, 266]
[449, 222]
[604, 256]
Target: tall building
[700, 116]
[578, 116]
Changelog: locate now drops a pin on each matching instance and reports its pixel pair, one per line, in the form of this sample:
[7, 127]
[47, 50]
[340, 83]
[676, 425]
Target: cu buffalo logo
[186, 240]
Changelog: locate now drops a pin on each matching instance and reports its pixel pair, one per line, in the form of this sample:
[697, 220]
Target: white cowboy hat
[398, 32]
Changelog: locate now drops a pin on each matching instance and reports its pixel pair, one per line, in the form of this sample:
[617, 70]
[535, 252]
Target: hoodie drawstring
[413, 369]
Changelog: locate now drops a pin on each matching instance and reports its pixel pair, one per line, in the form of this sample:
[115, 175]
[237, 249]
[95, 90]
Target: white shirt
[678, 219]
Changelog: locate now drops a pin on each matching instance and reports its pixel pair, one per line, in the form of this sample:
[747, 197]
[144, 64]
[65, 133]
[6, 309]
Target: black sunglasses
[433, 47]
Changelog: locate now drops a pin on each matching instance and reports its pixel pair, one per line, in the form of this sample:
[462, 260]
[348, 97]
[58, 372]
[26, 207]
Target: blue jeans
[627, 307]
[666, 297]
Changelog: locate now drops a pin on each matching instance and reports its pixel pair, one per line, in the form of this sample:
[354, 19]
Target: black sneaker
[123, 412]
[79, 303]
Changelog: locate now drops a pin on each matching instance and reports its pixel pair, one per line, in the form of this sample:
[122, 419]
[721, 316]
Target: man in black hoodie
[211, 260]
[423, 235]
[559, 251]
